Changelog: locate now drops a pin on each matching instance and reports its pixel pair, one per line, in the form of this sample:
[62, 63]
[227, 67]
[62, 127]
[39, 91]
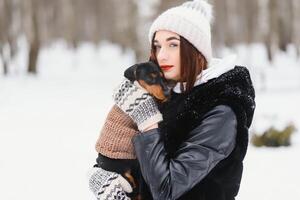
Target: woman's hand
[151, 127]
[138, 104]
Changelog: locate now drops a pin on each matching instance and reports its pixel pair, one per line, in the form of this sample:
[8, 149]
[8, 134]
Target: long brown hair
[192, 63]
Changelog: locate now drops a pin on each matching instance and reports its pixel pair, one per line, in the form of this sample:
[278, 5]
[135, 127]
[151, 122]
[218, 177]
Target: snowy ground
[49, 123]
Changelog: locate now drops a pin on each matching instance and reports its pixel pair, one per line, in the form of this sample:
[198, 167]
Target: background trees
[274, 23]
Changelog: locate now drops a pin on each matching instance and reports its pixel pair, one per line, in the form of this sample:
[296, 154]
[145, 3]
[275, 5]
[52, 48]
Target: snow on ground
[49, 123]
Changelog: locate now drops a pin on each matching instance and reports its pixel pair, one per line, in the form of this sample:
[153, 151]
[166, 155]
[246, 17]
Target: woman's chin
[171, 76]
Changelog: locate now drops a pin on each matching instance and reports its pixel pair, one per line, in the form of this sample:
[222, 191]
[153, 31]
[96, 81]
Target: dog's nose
[167, 94]
[167, 91]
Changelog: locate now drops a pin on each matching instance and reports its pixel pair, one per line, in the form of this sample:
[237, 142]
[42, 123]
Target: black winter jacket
[197, 151]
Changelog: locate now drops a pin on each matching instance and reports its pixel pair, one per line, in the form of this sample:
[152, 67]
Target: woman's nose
[162, 55]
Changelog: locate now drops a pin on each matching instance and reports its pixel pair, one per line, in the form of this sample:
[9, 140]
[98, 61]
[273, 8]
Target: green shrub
[273, 137]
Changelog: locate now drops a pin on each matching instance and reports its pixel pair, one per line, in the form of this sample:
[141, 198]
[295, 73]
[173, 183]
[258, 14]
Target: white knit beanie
[192, 21]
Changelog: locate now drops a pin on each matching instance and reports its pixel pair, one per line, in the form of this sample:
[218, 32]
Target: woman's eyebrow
[168, 39]
[172, 38]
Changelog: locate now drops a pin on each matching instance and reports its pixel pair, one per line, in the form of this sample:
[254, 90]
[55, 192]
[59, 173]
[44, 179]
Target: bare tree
[7, 35]
[3, 36]
[251, 20]
[272, 37]
[296, 25]
[284, 23]
[30, 11]
[273, 22]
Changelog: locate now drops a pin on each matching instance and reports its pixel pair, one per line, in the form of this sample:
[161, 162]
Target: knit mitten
[108, 185]
[135, 101]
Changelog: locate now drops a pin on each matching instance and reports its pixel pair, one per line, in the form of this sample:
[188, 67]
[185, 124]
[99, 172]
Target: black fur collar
[182, 113]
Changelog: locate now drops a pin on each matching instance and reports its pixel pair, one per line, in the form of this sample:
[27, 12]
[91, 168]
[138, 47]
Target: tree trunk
[272, 39]
[3, 60]
[33, 57]
[35, 41]
[5, 67]
[296, 26]
[6, 35]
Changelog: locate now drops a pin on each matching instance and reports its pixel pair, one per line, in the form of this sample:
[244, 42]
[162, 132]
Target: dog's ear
[130, 73]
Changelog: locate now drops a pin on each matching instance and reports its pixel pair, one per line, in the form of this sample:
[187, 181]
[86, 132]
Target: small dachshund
[150, 77]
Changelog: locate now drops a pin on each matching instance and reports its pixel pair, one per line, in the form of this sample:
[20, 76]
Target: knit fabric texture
[137, 102]
[190, 20]
[115, 137]
[106, 185]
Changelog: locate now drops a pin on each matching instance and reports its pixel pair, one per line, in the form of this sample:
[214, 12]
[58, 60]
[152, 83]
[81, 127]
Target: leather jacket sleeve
[210, 142]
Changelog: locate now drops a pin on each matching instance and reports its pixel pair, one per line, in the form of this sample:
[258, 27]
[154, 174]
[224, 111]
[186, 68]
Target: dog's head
[149, 76]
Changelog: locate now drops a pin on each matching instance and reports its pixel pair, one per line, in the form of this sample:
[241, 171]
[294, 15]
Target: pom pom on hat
[202, 6]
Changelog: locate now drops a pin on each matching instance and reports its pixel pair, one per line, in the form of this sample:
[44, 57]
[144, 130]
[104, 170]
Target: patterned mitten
[108, 185]
[137, 103]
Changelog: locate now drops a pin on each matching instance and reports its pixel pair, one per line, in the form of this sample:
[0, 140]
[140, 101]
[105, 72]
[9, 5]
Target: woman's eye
[173, 45]
[157, 47]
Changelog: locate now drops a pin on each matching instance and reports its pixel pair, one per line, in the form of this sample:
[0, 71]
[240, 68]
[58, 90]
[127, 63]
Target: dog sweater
[115, 137]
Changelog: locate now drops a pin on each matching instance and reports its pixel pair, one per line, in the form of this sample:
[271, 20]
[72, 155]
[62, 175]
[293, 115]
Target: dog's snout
[166, 90]
[167, 93]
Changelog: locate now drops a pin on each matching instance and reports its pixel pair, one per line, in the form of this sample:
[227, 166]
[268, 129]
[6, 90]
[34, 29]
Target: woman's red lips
[166, 67]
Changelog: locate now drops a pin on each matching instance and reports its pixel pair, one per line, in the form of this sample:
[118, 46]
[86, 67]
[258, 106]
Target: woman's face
[167, 47]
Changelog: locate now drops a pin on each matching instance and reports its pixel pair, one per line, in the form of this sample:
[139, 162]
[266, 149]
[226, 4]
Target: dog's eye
[150, 80]
[153, 75]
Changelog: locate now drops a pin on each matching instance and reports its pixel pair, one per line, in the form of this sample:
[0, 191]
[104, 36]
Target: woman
[197, 150]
